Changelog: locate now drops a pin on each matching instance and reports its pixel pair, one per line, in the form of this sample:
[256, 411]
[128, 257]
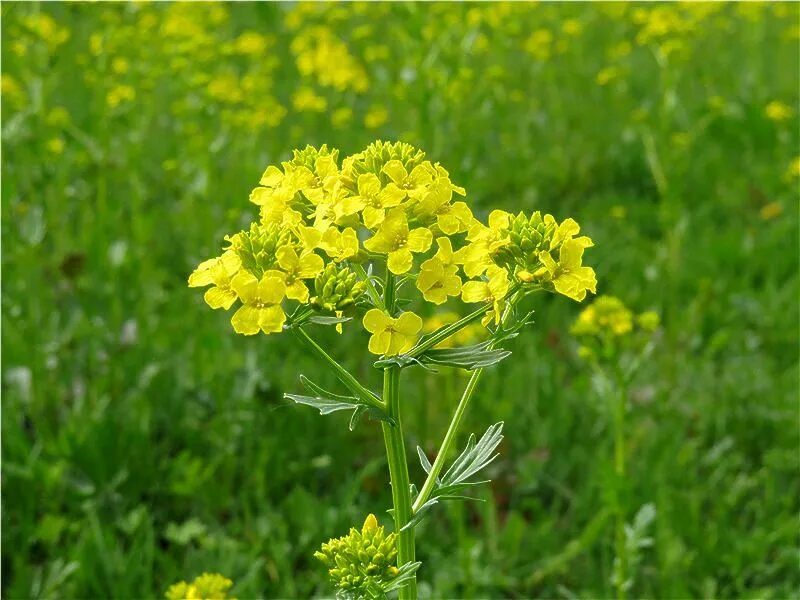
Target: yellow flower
[208, 586]
[394, 239]
[339, 245]
[372, 200]
[778, 111]
[55, 145]
[451, 218]
[770, 211]
[391, 336]
[794, 169]
[649, 320]
[375, 117]
[437, 278]
[296, 268]
[261, 310]
[218, 271]
[492, 291]
[414, 184]
[484, 242]
[568, 276]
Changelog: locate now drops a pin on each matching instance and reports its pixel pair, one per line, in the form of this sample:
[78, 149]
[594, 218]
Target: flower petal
[375, 321]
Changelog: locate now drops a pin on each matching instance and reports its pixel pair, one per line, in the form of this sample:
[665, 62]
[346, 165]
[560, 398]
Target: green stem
[396, 456]
[398, 472]
[350, 382]
[455, 422]
[448, 440]
[619, 471]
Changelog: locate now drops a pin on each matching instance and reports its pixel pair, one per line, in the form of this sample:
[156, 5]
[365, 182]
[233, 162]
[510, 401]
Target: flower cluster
[324, 224]
[607, 323]
[362, 561]
[208, 586]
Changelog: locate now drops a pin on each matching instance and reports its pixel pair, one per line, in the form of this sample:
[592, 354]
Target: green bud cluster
[307, 157]
[257, 247]
[336, 288]
[526, 237]
[362, 560]
[377, 154]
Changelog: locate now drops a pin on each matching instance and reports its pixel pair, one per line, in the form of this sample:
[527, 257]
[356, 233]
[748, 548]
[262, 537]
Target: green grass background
[143, 442]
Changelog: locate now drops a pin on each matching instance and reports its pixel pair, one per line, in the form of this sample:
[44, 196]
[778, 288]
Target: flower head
[396, 240]
[391, 336]
[217, 272]
[261, 304]
[492, 291]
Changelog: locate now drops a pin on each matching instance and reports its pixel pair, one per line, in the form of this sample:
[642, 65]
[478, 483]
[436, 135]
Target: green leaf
[327, 402]
[404, 574]
[323, 320]
[477, 356]
[475, 457]
[325, 406]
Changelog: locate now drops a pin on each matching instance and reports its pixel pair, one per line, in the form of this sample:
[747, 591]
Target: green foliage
[130, 411]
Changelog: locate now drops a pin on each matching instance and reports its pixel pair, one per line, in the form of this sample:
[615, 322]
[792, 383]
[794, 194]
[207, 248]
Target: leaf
[327, 402]
[475, 456]
[404, 574]
[426, 464]
[320, 391]
[473, 357]
[325, 406]
[323, 320]
[477, 356]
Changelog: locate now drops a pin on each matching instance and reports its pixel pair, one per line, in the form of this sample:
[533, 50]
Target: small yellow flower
[649, 320]
[451, 217]
[414, 184]
[396, 240]
[391, 336]
[372, 200]
[218, 271]
[568, 276]
[339, 245]
[261, 310]
[484, 242]
[794, 169]
[492, 291]
[437, 278]
[375, 117]
[55, 145]
[778, 111]
[296, 268]
[208, 586]
[771, 210]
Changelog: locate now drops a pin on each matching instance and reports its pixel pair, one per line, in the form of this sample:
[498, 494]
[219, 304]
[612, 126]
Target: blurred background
[143, 442]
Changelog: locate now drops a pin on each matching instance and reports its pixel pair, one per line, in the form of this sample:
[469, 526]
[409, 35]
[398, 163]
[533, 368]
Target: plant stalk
[619, 471]
[452, 429]
[397, 458]
[398, 472]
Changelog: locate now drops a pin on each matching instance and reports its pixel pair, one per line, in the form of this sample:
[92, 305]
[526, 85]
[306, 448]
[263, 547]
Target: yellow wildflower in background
[391, 336]
[778, 111]
[208, 586]
[375, 117]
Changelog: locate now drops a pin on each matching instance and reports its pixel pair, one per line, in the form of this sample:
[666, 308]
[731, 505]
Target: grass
[143, 442]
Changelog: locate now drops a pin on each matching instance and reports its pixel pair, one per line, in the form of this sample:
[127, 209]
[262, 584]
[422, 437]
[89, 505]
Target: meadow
[144, 443]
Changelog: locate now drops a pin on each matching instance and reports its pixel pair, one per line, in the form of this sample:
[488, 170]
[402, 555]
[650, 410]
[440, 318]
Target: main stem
[396, 456]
